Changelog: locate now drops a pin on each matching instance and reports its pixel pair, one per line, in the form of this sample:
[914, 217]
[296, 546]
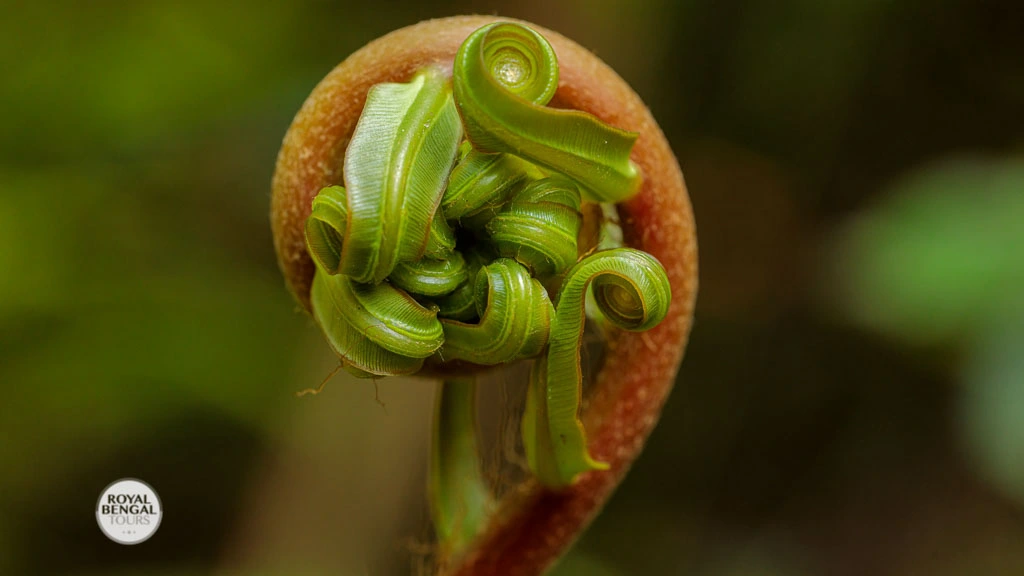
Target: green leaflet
[459, 305]
[515, 316]
[379, 330]
[430, 277]
[459, 499]
[325, 228]
[480, 183]
[539, 226]
[504, 75]
[633, 293]
[395, 169]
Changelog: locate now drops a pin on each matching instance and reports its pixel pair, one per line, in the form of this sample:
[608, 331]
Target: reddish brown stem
[534, 526]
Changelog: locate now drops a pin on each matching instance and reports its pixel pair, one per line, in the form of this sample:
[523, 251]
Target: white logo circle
[129, 511]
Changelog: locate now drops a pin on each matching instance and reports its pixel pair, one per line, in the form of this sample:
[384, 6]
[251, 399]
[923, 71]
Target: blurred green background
[852, 401]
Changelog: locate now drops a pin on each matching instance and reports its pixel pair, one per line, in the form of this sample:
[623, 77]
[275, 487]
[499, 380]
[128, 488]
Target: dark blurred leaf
[992, 406]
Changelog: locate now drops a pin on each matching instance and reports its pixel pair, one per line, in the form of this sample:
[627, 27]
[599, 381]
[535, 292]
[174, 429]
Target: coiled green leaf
[459, 305]
[504, 74]
[632, 290]
[396, 167]
[539, 226]
[379, 330]
[515, 316]
[428, 277]
[325, 228]
[480, 183]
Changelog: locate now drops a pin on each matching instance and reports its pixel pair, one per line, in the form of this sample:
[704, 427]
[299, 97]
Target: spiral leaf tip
[504, 75]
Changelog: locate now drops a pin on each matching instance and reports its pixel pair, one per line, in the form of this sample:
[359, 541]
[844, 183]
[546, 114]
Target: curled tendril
[396, 167]
[504, 74]
[515, 318]
[632, 291]
[539, 226]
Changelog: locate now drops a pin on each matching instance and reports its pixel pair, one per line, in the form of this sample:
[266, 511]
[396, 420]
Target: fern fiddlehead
[370, 239]
[412, 257]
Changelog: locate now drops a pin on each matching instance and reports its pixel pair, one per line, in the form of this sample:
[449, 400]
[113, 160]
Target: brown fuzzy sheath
[534, 526]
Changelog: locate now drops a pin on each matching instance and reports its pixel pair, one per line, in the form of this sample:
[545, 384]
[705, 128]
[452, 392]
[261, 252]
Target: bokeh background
[852, 401]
